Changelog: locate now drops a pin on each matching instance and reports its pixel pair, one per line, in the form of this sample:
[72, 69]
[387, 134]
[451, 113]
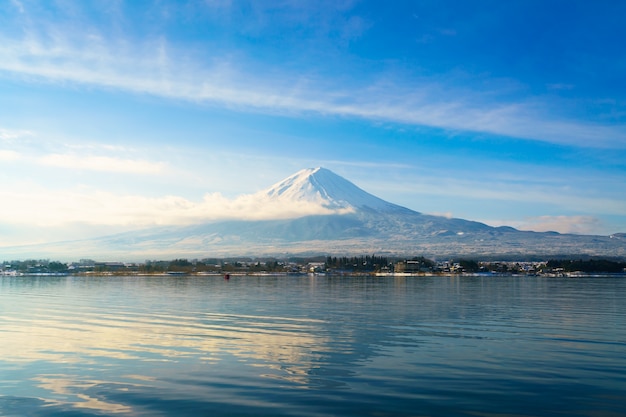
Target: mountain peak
[323, 187]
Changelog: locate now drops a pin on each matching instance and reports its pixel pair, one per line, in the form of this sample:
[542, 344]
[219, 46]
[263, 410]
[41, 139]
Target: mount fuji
[319, 213]
[322, 187]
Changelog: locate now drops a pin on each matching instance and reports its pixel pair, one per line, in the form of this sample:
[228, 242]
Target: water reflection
[76, 392]
[316, 346]
[66, 329]
[289, 345]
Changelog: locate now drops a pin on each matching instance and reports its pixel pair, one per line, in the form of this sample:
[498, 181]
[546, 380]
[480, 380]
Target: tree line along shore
[343, 265]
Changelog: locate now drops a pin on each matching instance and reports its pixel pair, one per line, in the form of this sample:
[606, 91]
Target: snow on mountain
[322, 187]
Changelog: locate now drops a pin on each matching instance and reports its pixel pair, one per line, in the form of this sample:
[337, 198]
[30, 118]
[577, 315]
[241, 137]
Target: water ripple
[299, 346]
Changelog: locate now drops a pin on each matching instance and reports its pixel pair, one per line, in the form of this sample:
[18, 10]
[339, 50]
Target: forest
[590, 265]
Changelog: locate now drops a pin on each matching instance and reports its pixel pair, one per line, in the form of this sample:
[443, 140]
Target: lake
[312, 346]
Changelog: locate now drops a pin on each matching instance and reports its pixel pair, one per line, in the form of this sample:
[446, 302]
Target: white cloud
[102, 163]
[75, 156]
[8, 155]
[447, 214]
[54, 208]
[12, 135]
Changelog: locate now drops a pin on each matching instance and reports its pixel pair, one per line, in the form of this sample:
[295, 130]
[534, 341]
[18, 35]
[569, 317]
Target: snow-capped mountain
[320, 186]
[320, 212]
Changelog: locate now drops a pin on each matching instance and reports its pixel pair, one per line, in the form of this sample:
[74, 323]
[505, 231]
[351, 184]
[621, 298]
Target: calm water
[312, 346]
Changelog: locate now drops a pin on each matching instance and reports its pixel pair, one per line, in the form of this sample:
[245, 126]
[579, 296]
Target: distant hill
[352, 221]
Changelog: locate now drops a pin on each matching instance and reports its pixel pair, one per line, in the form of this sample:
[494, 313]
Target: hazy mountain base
[406, 233]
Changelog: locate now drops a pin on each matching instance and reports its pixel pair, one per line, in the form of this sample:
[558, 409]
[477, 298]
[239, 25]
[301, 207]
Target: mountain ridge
[353, 221]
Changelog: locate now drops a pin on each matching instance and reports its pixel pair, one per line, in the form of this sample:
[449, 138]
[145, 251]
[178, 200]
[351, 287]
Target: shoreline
[575, 274]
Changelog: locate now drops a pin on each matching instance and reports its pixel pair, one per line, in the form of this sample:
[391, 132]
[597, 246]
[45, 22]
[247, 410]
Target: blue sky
[127, 114]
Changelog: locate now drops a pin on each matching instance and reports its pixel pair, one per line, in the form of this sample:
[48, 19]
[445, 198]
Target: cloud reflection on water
[162, 338]
[74, 392]
[56, 343]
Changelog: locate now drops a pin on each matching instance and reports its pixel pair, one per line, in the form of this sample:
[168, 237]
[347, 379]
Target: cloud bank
[45, 208]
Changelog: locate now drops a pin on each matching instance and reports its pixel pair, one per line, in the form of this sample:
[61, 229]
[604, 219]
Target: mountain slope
[354, 222]
[323, 187]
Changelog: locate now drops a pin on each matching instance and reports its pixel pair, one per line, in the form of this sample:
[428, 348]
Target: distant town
[329, 265]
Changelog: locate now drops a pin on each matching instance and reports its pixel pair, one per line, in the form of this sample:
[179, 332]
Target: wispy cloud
[18, 5]
[8, 155]
[548, 192]
[74, 156]
[13, 135]
[102, 163]
[562, 224]
[560, 86]
[152, 67]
